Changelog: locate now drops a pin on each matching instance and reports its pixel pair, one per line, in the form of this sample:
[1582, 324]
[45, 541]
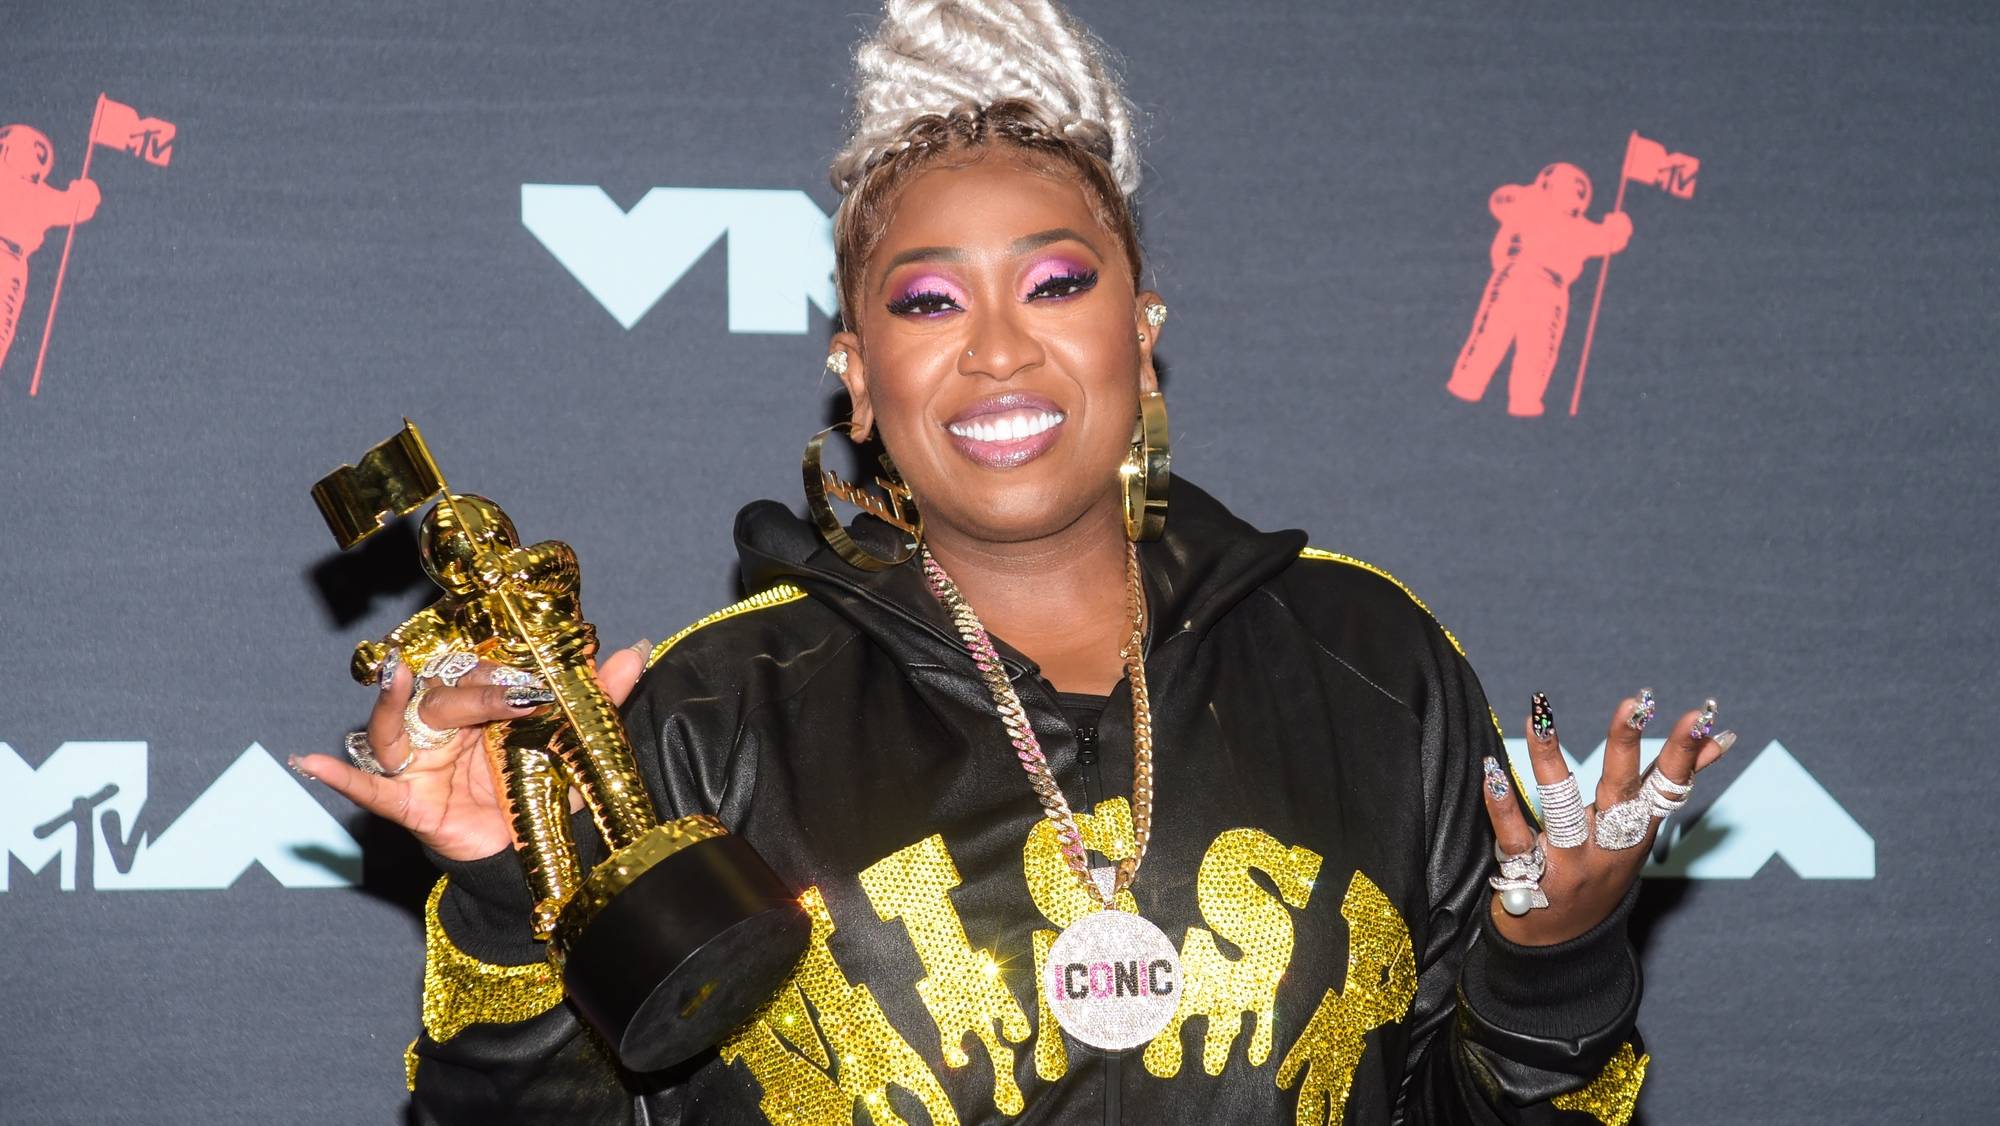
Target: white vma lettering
[780, 248]
[1774, 808]
[81, 809]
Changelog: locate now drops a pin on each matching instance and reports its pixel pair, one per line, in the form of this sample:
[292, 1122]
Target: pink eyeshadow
[930, 283]
[1052, 268]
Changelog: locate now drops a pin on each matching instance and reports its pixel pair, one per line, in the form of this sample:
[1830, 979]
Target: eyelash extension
[1070, 284]
[931, 302]
[927, 303]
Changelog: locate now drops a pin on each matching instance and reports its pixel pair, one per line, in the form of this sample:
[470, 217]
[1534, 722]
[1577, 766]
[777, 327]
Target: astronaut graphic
[29, 209]
[1543, 242]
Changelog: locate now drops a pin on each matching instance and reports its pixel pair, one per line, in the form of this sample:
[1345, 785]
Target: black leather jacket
[1319, 852]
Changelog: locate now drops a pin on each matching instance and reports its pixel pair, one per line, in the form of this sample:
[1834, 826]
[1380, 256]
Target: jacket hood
[1205, 562]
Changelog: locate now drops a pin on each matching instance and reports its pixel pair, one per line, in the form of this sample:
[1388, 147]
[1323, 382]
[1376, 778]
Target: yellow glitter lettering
[1062, 901]
[1381, 982]
[963, 988]
[460, 990]
[866, 1052]
[1220, 989]
[1612, 1096]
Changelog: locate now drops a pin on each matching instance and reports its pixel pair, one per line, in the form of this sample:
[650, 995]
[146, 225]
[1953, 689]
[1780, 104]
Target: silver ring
[1562, 813]
[1666, 795]
[1625, 824]
[1527, 865]
[507, 676]
[449, 666]
[422, 736]
[363, 756]
[1519, 882]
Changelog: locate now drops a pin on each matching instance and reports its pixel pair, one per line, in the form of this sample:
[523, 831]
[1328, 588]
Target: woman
[1269, 753]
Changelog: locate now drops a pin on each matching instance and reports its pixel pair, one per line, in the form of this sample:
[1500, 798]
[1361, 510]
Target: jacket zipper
[1093, 792]
[1086, 757]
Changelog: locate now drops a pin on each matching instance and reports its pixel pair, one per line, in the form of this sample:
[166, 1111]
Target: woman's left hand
[1585, 882]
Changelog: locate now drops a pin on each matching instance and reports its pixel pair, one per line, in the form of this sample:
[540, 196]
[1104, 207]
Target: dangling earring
[900, 512]
[1143, 474]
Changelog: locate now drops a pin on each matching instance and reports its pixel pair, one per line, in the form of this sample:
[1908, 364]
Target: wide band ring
[421, 735]
[448, 667]
[1563, 817]
[362, 755]
[1625, 824]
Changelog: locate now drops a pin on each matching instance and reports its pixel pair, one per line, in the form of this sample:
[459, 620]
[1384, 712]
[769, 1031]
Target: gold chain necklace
[1111, 978]
[1029, 749]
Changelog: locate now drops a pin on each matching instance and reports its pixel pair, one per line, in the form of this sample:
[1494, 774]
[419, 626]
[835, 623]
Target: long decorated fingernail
[1704, 724]
[509, 677]
[1496, 778]
[525, 697]
[1542, 718]
[1642, 712]
[387, 677]
[643, 647]
[1726, 740]
[293, 762]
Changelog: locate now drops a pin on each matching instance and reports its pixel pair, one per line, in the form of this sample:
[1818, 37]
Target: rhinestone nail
[386, 677]
[1704, 724]
[525, 697]
[1642, 712]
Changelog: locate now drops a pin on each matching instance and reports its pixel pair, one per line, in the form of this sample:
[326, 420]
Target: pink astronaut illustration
[1543, 242]
[29, 209]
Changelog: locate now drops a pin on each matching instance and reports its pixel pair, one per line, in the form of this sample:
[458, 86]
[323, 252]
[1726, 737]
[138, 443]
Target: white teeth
[1008, 429]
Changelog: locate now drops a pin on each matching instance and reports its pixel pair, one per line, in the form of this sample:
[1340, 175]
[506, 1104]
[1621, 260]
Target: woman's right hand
[447, 796]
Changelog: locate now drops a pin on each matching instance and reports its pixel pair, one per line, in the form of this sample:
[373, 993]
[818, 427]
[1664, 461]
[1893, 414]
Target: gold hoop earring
[1144, 472]
[899, 512]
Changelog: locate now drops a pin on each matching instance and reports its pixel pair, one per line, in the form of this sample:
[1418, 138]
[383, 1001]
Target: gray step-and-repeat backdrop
[1724, 428]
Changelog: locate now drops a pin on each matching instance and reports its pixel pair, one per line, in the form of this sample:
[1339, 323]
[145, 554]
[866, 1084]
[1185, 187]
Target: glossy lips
[1003, 431]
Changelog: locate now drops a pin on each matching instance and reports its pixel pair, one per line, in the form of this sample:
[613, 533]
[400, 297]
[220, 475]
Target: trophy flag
[390, 480]
[1648, 162]
[114, 125]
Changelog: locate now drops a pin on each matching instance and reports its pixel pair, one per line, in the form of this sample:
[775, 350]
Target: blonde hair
[947, 76]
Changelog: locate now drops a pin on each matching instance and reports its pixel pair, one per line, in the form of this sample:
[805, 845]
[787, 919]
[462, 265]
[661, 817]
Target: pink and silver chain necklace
[1029, 749]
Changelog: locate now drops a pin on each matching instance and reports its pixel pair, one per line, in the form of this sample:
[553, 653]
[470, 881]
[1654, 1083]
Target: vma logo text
[81, 810]
[1773, 809]
[780, 248]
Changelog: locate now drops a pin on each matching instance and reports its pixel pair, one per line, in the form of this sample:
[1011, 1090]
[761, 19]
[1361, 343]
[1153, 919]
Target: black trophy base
[687, 947]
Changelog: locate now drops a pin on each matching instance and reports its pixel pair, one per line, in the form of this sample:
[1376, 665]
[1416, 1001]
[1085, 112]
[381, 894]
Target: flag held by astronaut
[1649, 162]
[120, 127]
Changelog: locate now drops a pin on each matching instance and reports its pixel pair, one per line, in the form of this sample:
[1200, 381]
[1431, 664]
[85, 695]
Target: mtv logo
[81, 808]
[780, 248]
[1774, 808]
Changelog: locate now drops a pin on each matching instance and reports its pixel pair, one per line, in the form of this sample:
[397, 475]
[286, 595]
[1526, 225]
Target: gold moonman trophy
[684, 931]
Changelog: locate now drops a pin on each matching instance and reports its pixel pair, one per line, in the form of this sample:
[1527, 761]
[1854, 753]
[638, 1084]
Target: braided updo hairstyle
[945, 79]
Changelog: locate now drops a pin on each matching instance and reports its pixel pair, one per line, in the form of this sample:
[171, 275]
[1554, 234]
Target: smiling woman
[1092, 773]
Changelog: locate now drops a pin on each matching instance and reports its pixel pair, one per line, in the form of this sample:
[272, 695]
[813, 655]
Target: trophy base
[677, 939]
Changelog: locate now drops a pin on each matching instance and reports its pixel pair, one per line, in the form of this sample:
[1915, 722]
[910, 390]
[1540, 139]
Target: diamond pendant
[1114, 980]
